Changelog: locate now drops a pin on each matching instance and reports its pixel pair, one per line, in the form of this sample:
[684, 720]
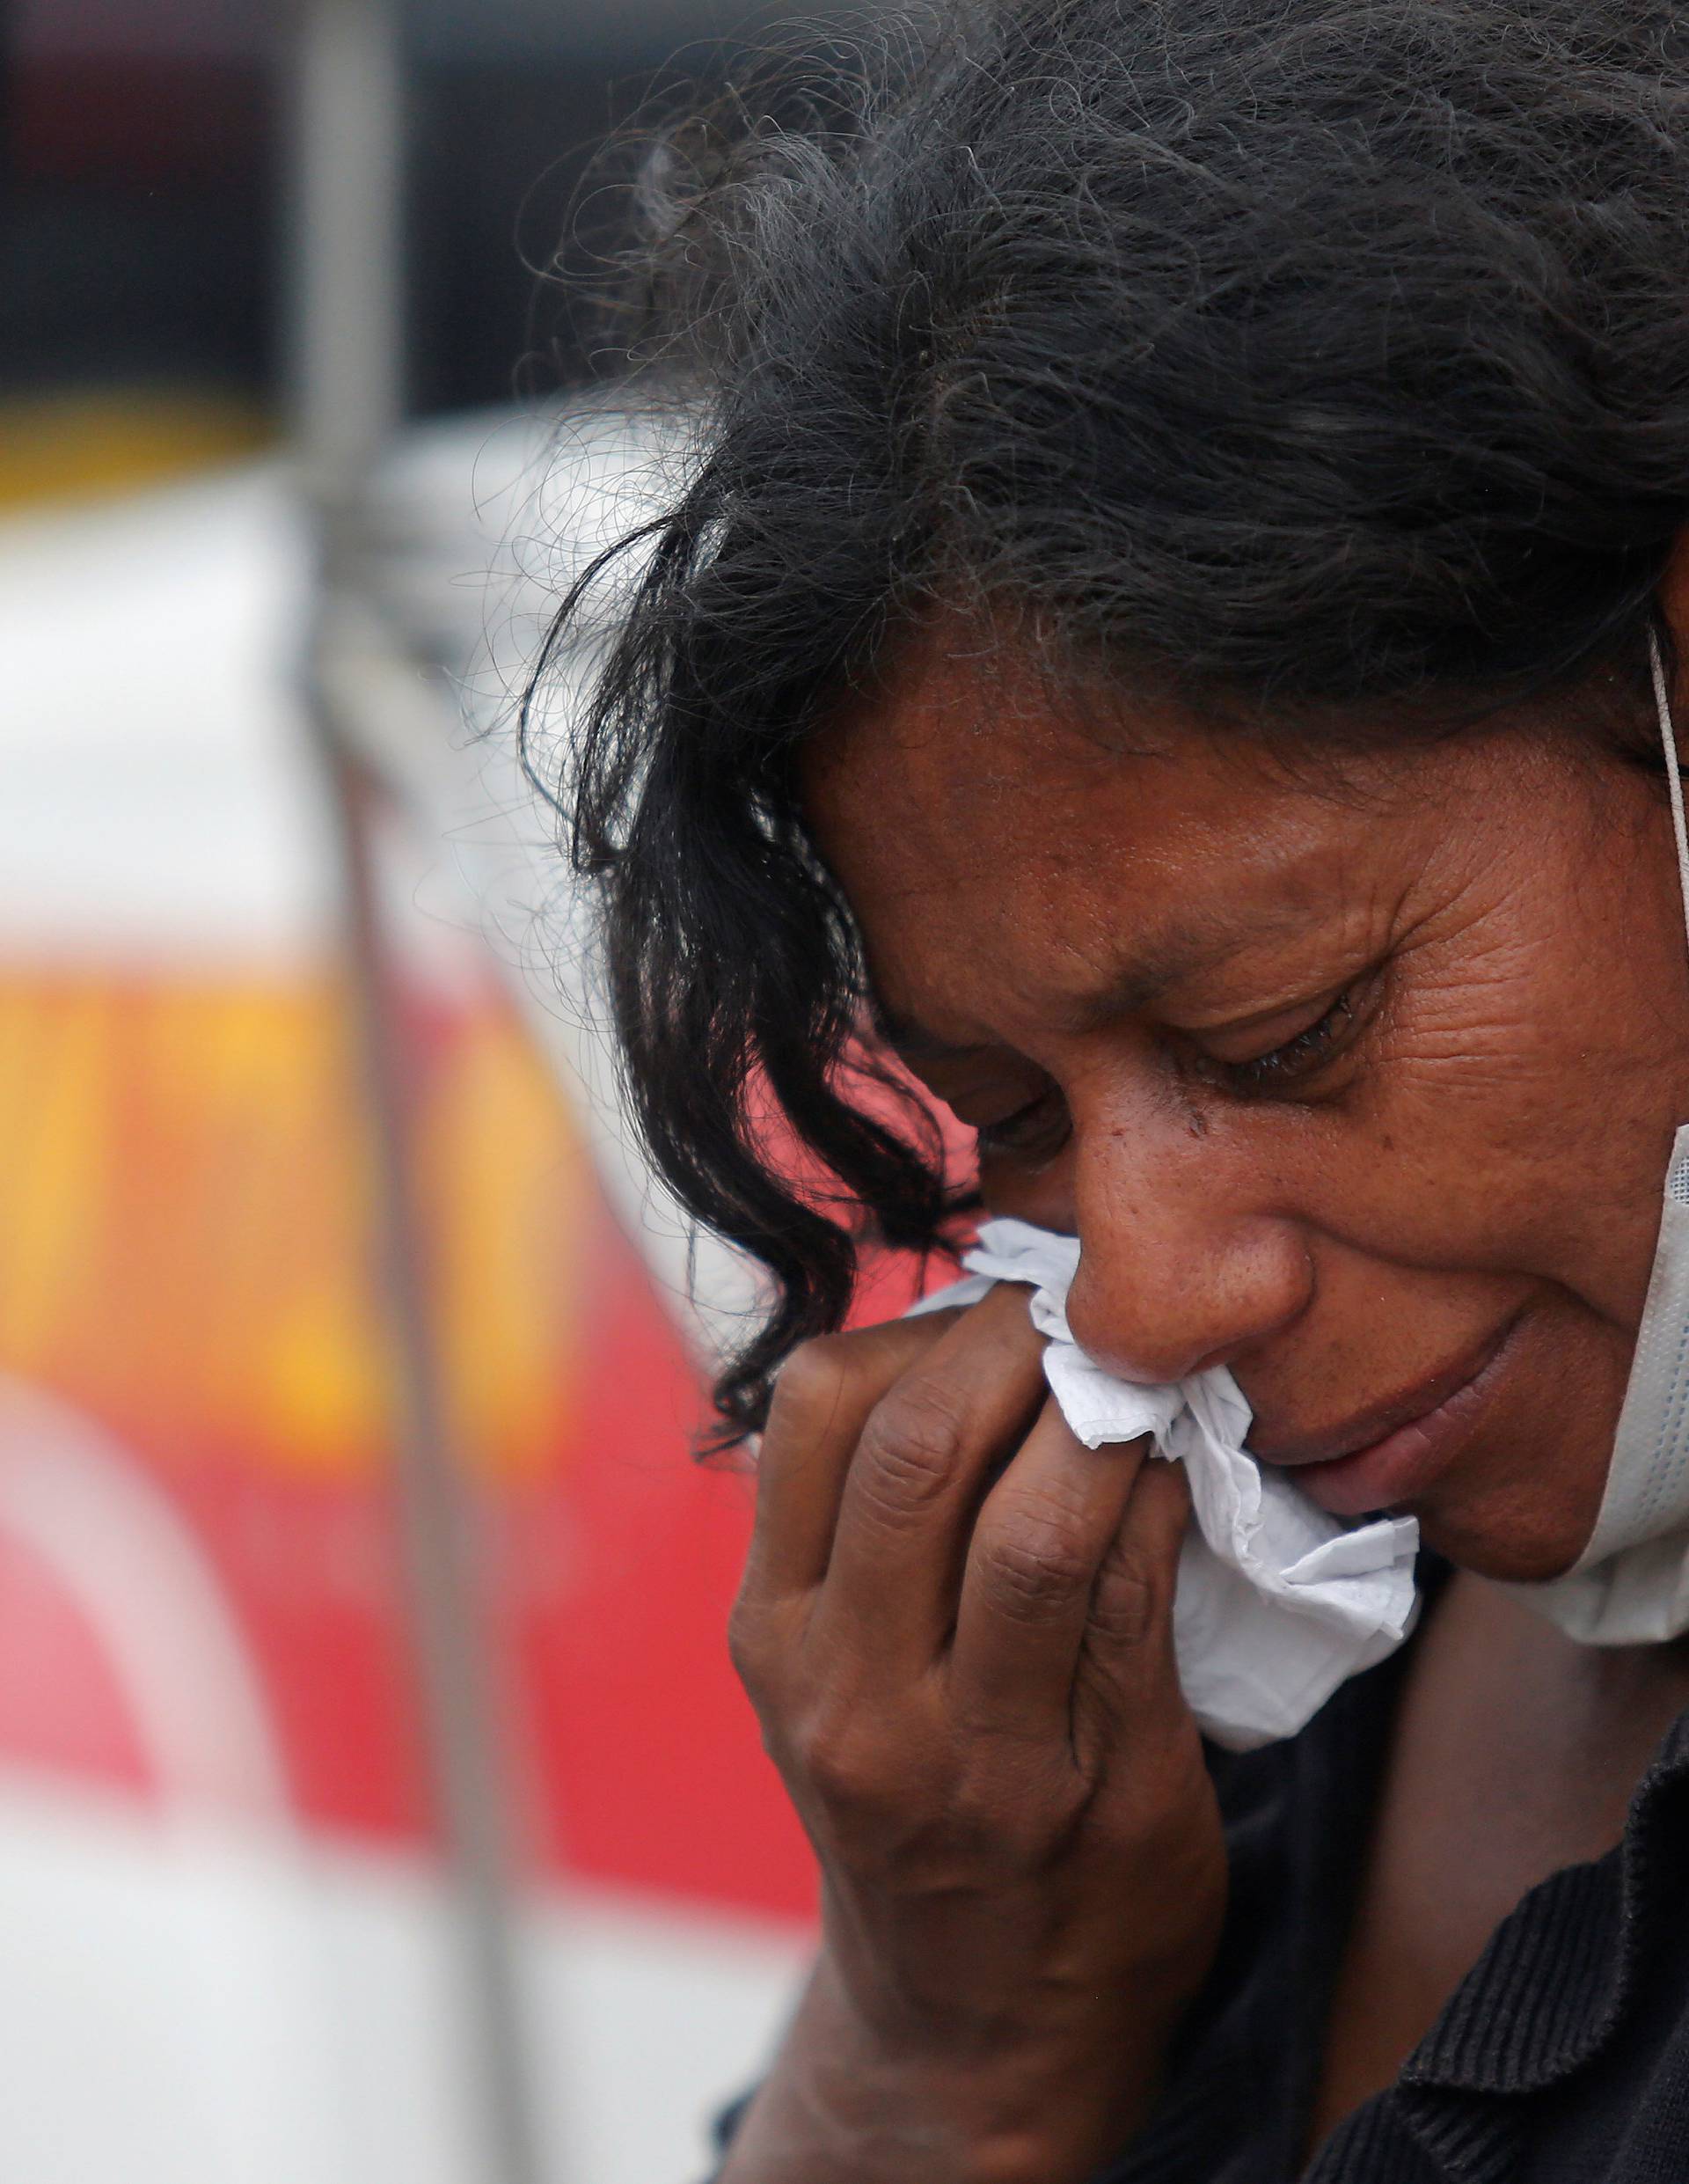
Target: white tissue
[1277, 1603]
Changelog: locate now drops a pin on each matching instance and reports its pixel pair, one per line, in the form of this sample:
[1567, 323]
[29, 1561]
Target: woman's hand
[955, 1625]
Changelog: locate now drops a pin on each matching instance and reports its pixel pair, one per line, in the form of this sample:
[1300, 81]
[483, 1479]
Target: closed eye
[1295, 1060]
[1036, 1131]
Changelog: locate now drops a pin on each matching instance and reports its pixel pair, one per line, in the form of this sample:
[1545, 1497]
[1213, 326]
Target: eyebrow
[1193, 945]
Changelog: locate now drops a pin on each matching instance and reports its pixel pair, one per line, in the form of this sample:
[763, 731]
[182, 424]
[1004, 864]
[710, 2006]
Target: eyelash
[1296, 1057]
[1017, 1133]
[1287, 1064]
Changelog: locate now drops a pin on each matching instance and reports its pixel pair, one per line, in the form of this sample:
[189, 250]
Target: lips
[1390, 1451]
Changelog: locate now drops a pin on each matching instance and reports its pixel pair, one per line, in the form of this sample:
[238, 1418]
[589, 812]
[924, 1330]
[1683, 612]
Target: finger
[1127, 1685]
[1033, 1563]
[915, 1481]
[822, 1399]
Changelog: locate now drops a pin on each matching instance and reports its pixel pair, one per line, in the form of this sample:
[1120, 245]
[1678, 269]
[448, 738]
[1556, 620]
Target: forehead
[996, 835]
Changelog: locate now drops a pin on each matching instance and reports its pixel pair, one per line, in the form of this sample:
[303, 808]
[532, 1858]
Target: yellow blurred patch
[186, 1221]
[84, 446]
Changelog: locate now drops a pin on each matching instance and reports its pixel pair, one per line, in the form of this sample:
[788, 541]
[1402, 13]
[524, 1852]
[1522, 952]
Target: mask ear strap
[1673, 779]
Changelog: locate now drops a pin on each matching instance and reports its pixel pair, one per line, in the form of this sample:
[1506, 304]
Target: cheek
[1521, 1116]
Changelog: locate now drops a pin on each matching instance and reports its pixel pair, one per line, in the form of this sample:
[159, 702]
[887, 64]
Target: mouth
[1392, 1452]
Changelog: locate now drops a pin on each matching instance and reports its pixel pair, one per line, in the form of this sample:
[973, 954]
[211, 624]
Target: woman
[1156, 641]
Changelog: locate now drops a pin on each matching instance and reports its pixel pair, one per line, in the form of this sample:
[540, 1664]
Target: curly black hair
[1321, 362]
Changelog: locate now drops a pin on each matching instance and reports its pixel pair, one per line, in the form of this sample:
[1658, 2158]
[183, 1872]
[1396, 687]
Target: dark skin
[1342, 1076]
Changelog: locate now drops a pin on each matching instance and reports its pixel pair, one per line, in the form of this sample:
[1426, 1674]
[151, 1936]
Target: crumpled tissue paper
[1276, 1602]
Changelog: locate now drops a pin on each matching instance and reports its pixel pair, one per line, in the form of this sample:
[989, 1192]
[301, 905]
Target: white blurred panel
[156, 801]
[209, 2006]
[165, 2015]
[654, 2019]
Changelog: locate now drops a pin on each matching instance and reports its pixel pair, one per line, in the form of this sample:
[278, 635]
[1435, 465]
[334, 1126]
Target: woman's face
[1360, 1082]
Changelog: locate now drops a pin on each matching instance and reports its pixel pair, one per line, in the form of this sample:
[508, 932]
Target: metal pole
[348, 368]
[347, 322]
[444, 1596]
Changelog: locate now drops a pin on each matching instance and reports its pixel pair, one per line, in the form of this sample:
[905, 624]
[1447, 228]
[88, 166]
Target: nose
[1184, 1262]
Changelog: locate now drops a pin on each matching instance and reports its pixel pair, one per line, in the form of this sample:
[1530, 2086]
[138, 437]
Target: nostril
[1144, 1375]
[1224, 1355]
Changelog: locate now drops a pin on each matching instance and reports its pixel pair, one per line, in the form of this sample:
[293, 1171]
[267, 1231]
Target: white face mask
[1630, 1586]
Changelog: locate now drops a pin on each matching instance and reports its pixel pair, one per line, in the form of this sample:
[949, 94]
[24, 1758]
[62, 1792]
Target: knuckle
[910, 1449]
[844, 1769]
[1035, 1568]
[812, 1384]
[1129, 1607]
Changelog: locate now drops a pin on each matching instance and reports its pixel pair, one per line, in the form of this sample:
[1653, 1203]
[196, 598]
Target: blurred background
[376, 1802]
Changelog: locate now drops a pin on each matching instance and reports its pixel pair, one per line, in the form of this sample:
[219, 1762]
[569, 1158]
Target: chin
[1512, 1540]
